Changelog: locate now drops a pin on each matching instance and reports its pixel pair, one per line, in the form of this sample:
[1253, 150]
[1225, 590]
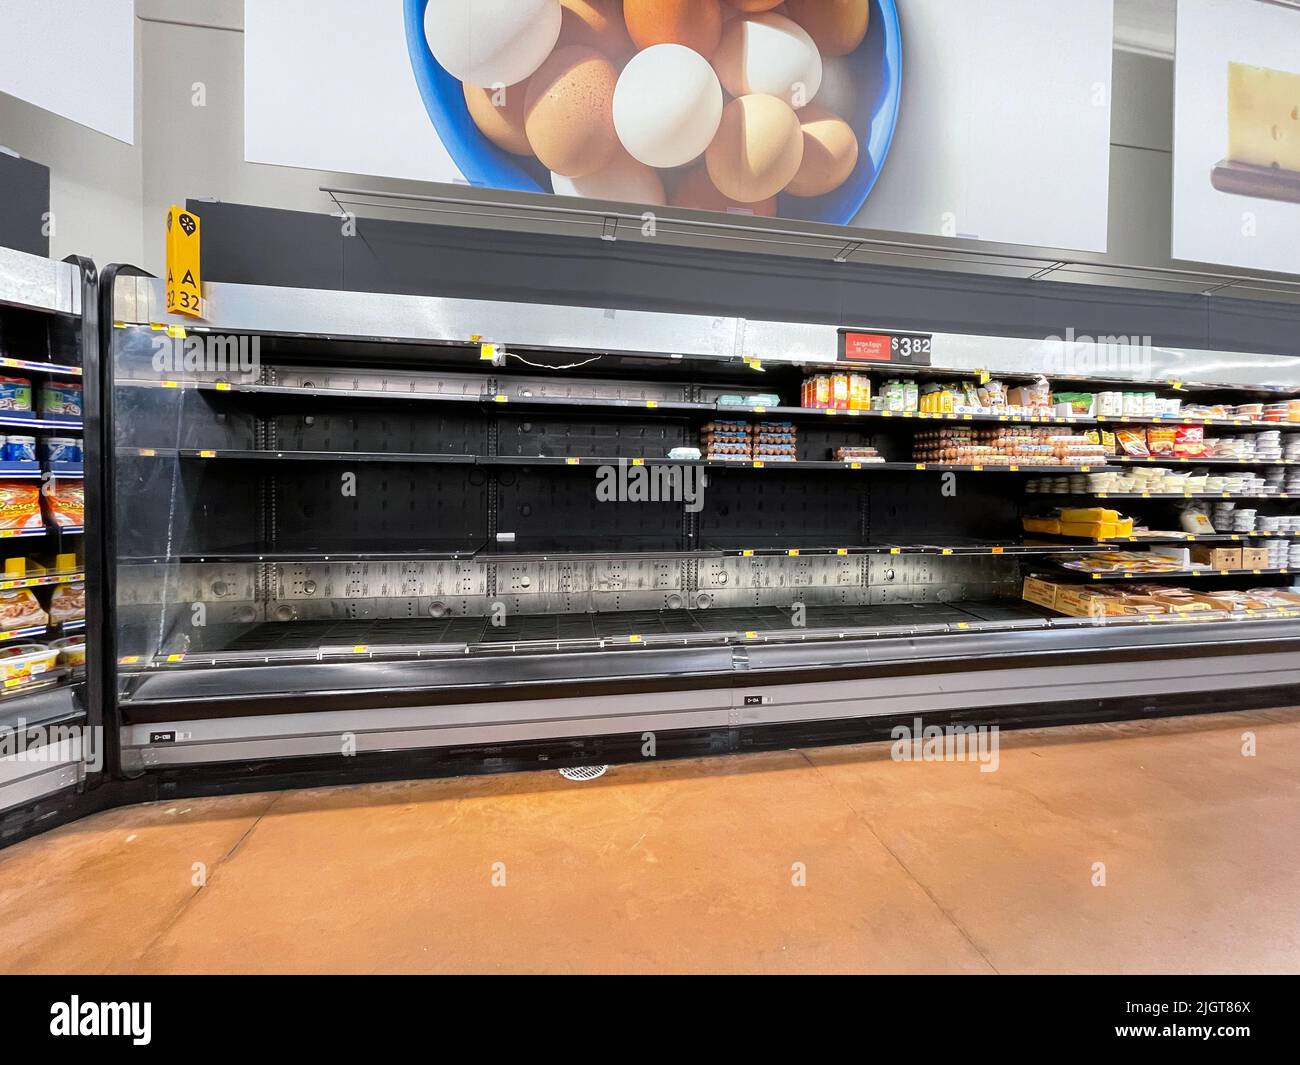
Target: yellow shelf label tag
[184, 286]
[487, 352]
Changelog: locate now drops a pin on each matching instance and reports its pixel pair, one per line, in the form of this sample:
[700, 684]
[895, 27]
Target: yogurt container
[16, 394]
[62, 400]
[18, 449]
[23, 662]
[72, 651]
[62, 449]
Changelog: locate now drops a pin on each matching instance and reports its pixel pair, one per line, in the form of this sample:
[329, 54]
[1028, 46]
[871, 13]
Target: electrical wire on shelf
[542, 366]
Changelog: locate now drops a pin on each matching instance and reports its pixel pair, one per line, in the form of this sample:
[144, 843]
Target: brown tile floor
[687, 866]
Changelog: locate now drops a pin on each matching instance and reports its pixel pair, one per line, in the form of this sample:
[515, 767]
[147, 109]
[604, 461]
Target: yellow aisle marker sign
[184, 276]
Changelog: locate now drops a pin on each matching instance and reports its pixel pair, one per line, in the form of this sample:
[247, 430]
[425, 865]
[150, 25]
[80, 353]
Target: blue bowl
[486, 165]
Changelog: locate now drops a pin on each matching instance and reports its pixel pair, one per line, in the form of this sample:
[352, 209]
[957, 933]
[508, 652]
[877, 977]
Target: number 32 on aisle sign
[184, 274]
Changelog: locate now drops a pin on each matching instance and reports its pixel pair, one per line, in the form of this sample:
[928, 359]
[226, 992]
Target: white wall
[110, 200]
[94, 179]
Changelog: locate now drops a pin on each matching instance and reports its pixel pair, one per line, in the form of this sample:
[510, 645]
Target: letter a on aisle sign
[184, 275]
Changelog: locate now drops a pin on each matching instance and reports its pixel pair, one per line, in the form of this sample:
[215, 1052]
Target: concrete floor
[688, 867]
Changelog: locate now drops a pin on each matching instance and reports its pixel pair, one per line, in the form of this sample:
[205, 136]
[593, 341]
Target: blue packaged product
[61, 400]
[18, 449]
[65, 449]
[15, 394]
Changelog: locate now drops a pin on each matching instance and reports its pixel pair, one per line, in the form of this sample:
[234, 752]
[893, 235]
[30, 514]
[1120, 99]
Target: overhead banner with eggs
[1237, 135]
[985, 119]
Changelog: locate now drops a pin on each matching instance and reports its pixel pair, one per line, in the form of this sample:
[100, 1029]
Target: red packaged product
[65, 501]
[20, 505]
[1189, 442]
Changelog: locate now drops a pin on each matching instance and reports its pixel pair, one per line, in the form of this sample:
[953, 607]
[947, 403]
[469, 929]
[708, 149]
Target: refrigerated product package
[20, 506]
[61, 400]
[18, 448]
[62, 449]
[67, 603]
[16, 395]
[19, 609]
[72, 651]
[24, 662]
[1189, 442]
[65, 502]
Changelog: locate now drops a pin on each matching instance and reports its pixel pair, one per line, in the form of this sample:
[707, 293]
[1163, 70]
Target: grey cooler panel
[44, 771]
[44, 284]
[367, 315]
[749, 703]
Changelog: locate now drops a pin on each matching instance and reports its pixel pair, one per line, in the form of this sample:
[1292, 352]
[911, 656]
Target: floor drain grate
[584, 772]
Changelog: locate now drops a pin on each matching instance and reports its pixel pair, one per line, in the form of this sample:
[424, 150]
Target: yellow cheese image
[1089, 514]
[1263, 117]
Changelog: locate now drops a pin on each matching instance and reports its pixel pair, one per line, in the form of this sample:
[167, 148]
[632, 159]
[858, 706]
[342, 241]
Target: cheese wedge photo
[1263, 117]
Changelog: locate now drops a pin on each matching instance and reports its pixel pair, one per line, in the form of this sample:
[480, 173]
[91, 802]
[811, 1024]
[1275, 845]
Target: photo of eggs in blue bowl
[776, 108]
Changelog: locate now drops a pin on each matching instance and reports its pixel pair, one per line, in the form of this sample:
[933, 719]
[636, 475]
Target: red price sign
[909, 348]
[867, 347]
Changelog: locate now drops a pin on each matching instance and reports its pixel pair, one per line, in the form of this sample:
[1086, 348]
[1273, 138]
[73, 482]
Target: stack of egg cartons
[774, 442]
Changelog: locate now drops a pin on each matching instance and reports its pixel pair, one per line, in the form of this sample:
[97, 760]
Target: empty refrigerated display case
[423, 523]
